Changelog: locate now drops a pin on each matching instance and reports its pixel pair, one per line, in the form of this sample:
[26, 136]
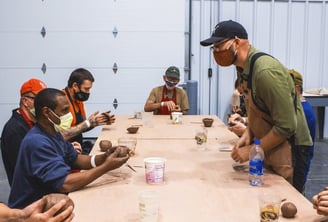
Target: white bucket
[154, 169]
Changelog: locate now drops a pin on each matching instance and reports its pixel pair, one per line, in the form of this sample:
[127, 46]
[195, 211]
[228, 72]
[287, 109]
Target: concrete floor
[318, 176]
[317, 179]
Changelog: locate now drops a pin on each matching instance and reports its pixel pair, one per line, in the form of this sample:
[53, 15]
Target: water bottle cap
[257, 142]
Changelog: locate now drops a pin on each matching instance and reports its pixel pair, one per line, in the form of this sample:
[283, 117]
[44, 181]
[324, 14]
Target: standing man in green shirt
[275, 114]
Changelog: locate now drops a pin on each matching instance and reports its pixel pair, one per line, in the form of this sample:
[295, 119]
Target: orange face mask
[225, 57]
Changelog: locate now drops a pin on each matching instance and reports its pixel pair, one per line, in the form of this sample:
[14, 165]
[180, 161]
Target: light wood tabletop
[200, 183]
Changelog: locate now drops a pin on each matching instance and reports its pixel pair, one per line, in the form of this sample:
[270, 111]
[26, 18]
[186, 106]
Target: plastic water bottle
[256, 159]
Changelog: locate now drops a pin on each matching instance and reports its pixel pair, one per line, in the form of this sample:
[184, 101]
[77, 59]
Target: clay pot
[208, 122]
[133, 129]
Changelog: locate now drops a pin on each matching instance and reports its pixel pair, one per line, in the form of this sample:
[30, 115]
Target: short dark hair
[48, 98]
[78, 76]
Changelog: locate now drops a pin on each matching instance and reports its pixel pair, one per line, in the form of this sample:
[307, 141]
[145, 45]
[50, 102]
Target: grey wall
[294, 32]
[151, 35]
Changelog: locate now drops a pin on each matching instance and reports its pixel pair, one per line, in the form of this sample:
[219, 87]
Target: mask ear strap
[55, 114]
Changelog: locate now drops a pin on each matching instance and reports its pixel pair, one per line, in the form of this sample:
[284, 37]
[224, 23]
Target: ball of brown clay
[105, 145]
[288, 210]
[124, 151]
[54, 198]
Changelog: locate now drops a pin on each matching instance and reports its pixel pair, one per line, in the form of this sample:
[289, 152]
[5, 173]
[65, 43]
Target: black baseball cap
[226, 29]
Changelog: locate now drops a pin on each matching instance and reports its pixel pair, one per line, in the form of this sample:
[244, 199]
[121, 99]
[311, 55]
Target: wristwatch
[162, 104]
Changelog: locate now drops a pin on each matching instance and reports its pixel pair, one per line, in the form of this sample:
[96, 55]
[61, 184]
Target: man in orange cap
[21, 121]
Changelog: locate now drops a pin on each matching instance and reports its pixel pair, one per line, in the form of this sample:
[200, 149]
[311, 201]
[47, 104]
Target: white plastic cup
[148, 206]
[130, 142]
[154, 170]
[201, 138]
[138, 114]
[147, 118]
[269, 205]
[176, 117]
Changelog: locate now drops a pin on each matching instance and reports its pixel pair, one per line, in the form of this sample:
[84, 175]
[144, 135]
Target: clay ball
[52, 199]
[288, 210]
[105, 145]
[124, 151]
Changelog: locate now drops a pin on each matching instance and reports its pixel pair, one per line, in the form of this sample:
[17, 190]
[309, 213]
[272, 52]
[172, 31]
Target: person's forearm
[84, 162]
[75, 130]
[271, 140]
[12, 215]
[149, 107]
[75, 181]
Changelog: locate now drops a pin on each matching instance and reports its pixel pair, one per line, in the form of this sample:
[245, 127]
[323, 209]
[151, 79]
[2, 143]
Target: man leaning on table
[45, 158]
[275, 115]
[168, 98]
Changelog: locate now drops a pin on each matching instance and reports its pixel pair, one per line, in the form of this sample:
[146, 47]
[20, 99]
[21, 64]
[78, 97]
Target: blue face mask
[170, 84]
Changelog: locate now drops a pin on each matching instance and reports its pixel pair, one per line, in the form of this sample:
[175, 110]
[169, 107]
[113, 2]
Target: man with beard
[168, 98]
[78, 91]
[275, 114]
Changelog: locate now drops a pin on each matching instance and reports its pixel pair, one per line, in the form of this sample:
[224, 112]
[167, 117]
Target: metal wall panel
[149, 37]
[294, 32]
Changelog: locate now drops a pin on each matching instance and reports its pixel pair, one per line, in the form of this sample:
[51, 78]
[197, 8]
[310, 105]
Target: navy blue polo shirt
[43, 163]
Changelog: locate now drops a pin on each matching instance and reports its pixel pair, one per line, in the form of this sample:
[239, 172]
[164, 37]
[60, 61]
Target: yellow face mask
[65, 121]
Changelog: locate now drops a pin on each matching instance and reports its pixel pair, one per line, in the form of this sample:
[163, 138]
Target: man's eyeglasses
[216, 48]
[30, 97]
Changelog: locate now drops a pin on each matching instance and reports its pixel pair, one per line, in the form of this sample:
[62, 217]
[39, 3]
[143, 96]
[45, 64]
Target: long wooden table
[200, 185]
[162, 128]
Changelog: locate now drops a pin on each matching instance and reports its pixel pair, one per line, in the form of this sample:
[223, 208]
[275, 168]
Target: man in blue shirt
[45, 158]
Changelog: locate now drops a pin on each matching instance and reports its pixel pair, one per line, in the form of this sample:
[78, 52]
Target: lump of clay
[105, 145]
[288, 210]
[54, 198]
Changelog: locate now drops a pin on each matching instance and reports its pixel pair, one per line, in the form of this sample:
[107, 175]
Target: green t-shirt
[274, 93]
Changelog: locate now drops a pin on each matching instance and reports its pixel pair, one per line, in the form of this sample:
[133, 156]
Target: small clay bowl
[208, 122]
[132, 129]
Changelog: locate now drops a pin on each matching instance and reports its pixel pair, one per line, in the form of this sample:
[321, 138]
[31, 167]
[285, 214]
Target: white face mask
[32, 111]
[65, 121]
